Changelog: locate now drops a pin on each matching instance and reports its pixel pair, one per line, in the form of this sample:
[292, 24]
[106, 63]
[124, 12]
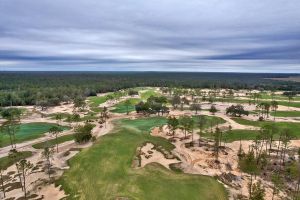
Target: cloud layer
[154, 35]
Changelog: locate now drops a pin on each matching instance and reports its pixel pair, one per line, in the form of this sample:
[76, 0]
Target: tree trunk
[56, 143]
[2, 184]
[278, 146]
[14, 137]
[11, 141]
[273, 193]
[250, 187]
[49, 167]
[19, 174]
[24, 183]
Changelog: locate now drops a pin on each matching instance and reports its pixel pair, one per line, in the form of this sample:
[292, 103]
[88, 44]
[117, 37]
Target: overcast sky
[150, 35]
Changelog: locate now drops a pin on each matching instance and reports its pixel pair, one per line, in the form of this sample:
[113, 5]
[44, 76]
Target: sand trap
[150, 155]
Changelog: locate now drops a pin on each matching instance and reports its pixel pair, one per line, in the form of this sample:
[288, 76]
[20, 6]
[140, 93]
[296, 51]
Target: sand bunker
[150, 155]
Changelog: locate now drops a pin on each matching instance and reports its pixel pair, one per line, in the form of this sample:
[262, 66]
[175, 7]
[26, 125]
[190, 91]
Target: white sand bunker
[150, 155]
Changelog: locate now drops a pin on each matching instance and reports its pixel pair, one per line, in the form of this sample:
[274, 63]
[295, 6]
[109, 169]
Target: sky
[150, 35]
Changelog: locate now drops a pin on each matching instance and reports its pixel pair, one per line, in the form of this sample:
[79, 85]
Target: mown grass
[104, 171]
[209, 121]
[286, 114]
[240, 134]
[96, 101]
[291, 104]
[122, 108]
[5, 162]
[278, 97]
[145, 95]
[246, 101]
[234, 135]
[52, 142]
[27, 131]
[294, 127]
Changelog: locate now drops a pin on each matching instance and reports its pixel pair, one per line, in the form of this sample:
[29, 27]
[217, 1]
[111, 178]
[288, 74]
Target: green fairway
[27, 132]
[122, 108]
[96, 101]
[292, 126]
[246, 101]
[210, 121]
[145, 95]
[278, 97]
[291, 104]
[104, 171]
[5, 162]
[286, 114]
[235, 135]
[52, 142]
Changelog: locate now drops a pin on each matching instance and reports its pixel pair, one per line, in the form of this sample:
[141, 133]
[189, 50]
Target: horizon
[287, 74]
[164, 36]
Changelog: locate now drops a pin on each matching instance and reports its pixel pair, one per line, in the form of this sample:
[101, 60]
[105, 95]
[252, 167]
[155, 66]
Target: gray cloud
[168, 35]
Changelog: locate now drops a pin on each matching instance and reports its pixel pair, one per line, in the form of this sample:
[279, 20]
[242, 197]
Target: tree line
[52, 88]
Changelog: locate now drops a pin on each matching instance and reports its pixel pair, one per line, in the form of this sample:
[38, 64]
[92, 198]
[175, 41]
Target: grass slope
[122, 108]
[96, 101]
[292, 126]
[5, 162]
[52, 142]
[104, 171]
[145, 95]
[240, 134]
[28, 131]
[286, 114]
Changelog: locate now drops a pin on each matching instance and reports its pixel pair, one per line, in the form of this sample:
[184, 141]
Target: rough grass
[52, 142]
[5, 162]
[104, 171]
[122, 108]
[294, 127]
[28, 131]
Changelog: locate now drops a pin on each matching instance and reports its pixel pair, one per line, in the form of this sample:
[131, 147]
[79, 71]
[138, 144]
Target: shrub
[83, 133]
